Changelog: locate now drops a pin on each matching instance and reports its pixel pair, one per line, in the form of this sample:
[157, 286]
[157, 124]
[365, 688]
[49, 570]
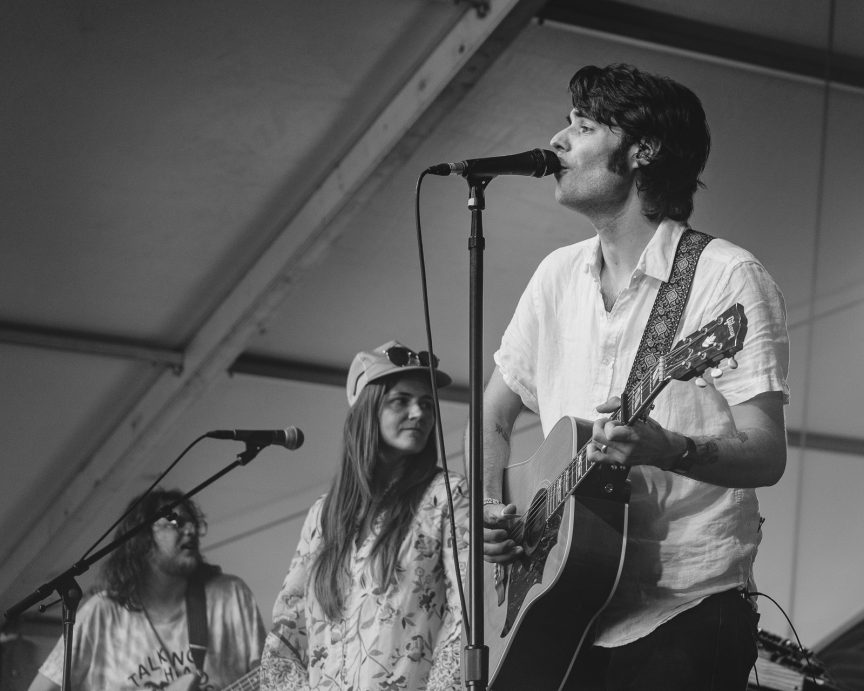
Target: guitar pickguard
[528, 571]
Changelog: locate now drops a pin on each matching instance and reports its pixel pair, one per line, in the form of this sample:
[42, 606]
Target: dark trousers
[710, 647]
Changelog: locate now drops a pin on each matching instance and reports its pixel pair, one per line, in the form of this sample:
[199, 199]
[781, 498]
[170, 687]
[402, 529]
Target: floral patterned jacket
[406, 637]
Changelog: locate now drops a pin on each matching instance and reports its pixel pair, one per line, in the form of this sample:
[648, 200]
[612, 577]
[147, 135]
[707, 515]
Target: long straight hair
[357, 494]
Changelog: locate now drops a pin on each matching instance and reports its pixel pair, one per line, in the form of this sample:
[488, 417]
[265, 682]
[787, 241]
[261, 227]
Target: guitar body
[538, 610]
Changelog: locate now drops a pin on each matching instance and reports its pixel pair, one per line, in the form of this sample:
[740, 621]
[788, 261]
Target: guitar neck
[248, 682]
[690, 357]
[645, 391]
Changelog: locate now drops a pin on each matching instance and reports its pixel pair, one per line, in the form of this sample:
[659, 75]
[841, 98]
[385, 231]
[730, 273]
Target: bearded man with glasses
[134, 631]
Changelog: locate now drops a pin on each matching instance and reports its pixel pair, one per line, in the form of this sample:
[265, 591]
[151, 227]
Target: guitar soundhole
[528, 570]
[535, 522]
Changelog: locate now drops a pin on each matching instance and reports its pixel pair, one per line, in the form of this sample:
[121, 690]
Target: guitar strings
[535, 510]
[539, 507]
[517, 531]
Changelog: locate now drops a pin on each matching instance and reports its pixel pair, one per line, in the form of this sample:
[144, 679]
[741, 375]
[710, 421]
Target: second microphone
[290, 437]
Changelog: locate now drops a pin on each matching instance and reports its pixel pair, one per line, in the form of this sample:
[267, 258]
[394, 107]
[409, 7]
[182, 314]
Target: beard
[187, 567]
[184, 563]
[618, 162]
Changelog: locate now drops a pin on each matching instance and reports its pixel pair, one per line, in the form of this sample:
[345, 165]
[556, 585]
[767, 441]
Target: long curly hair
[358, 493]
[124, 570]
[656, 109]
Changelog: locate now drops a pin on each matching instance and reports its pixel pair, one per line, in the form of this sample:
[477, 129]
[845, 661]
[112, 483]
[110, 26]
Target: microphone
[291, 437]
[537, 162]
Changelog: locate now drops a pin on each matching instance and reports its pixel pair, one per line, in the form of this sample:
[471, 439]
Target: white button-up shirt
[564, 354]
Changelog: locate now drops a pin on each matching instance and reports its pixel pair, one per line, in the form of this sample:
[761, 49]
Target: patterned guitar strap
[196, 620]
[668, 306]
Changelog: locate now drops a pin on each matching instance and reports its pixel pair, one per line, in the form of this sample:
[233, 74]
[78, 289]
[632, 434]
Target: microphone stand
[476, 652]
[68, 589]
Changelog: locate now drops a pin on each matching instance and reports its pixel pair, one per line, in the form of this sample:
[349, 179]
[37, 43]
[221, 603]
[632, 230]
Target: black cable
[809, 670]
[439, 432]
[820, 187]
[141, 498]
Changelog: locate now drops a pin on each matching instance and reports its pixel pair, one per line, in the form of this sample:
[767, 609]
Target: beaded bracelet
[490, 500]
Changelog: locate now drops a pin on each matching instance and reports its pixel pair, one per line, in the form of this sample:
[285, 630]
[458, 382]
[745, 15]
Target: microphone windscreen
[292, 438]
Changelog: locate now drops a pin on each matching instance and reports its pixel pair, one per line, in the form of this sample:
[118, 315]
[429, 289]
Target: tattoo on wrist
[502, 433]
[706, 452]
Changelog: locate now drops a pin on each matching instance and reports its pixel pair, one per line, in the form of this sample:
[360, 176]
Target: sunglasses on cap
[404, 357]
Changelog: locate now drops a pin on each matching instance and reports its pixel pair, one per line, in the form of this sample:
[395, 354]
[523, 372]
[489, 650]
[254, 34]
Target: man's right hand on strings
[498, 546]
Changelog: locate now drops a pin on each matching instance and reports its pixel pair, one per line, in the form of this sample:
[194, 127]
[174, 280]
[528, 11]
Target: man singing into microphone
[680, 618]
[135, 633]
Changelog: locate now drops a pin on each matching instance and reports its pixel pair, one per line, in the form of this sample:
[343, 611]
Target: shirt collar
[593, 258]
[657, 257]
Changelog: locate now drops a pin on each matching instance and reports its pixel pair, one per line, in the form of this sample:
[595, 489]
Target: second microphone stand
[67, 587]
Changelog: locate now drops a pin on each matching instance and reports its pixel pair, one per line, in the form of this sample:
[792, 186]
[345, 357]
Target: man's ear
[646, 151]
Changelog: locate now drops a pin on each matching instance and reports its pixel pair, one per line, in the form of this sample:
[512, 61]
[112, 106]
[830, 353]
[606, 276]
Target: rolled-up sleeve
[763, 363]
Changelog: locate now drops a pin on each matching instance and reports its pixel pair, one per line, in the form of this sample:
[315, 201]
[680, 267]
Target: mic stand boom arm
[68, 589]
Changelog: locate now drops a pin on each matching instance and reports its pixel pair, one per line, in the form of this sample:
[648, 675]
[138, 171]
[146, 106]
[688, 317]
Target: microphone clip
[250, 452]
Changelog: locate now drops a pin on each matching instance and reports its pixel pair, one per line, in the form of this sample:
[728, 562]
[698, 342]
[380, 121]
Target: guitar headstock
[707, 347]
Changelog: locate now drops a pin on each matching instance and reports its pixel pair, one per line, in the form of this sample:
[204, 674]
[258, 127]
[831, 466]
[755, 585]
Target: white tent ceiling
[197, 187]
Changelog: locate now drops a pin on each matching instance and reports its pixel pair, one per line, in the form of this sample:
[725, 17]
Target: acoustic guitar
[539, 609]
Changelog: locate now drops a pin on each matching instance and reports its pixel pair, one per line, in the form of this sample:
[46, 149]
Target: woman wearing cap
[370, 601]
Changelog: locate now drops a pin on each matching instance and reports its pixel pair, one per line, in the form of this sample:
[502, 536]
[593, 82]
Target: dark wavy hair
[124, 569]
[656, 109]
[358, 493]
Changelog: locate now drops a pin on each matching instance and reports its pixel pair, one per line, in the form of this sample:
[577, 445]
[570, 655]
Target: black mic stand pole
[69, 590]
[476, 652]
[70, 593]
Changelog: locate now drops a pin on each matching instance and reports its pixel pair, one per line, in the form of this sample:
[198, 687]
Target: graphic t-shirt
[116, 649]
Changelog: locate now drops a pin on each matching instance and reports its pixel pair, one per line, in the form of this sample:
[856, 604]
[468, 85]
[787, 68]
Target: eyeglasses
[402, 357]
[178, 522]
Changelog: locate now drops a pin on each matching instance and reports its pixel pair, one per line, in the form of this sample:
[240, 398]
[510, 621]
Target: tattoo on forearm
[707, 451]
[502, 433]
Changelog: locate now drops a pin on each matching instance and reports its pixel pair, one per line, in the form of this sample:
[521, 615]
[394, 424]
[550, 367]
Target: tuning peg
[700, 382]
[732, 363]
[716, 372]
